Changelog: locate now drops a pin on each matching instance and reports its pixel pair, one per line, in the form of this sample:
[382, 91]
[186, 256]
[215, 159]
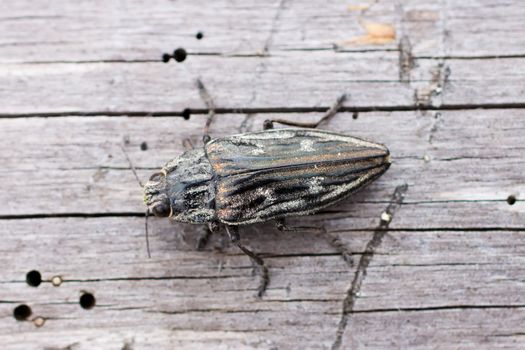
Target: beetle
[262, 176]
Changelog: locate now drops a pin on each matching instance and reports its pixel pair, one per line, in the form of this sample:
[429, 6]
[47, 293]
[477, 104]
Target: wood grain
[285, 82]
[191, 291]
[79, 160]
[115, 31]
[440, 83]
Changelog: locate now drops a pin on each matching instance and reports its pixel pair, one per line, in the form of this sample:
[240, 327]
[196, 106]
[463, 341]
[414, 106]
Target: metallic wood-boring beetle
[261, 176]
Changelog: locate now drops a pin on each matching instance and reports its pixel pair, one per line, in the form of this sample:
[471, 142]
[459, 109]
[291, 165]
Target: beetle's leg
[268, 124]
[187, 144]
[334, 241]
[205, 96]
[233, 232]
[202, 241]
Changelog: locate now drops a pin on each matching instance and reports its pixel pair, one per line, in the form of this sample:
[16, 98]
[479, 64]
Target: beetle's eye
[161, 210]
[156, 177]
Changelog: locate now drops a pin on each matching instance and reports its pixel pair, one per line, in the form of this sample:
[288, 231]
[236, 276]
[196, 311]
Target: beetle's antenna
[131, 166]
[147, 210]
[147, 233]
[206, 97]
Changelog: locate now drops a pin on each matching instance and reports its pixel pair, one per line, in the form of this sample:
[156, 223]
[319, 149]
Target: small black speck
[199, 35]
[511, 199]
[355, 115]
[166, 57]
[144, 146]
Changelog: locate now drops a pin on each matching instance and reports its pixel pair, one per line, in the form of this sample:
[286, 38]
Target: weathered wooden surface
[289, 80]
[441, 83]
[110, 30]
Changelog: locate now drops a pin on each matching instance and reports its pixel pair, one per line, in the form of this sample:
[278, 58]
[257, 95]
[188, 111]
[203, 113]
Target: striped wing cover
[284, 172]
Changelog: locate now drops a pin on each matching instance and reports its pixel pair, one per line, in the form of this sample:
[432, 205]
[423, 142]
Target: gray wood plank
[76, 164]
[438, 82]
[494, 329]
[234, 82]
[419, 284]
[287, 81]
[110, 30]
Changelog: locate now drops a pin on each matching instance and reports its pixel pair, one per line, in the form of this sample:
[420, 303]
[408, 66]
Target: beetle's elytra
[261, 176]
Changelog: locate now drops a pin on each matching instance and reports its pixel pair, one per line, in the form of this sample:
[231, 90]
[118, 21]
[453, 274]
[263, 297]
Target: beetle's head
[156, 195]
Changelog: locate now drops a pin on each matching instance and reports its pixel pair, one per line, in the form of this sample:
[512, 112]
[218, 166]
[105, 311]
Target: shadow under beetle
[261, 176]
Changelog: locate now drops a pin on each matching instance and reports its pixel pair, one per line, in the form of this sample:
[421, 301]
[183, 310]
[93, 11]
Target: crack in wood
[227, 55]
[70, 215]
[425, 96]
[132, 279]
[247, 124]
[304, 255]
[406, 60]
[301, 300]
[240, 330]
[128, 345]
[206, 310]
[473, 57]
[362, 311]
[274, 26]
[72, 346]
[440, 308]
[516, 334]
[139, 214]
[364, 262]
[103, 167]
[151, 278]
[438, 229]
[433, 265]
[267, 110]
[436, 124]
[358, 229]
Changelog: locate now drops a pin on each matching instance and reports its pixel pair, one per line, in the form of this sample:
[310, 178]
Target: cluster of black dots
[179, 54]
[23, 312]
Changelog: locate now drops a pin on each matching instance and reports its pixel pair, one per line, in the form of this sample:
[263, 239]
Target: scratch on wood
[274, 27]
[128, 345]
[246, 124]
[432, 309]
[67, 347]
[364, 262]
[423, 96]
[406, 60]
[438, 121]
[517, 334]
